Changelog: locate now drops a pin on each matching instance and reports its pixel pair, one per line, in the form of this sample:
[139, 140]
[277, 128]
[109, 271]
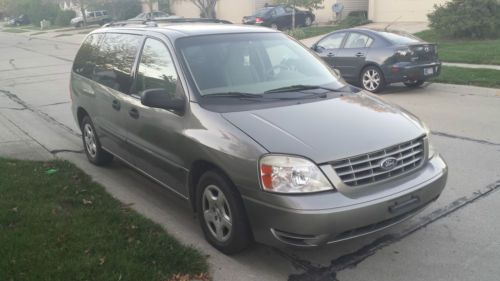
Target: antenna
[391, 23]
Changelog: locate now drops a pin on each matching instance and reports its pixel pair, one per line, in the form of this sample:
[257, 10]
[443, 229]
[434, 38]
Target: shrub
[63, 18]
[296, 33]
[467, 19]
[355, 18]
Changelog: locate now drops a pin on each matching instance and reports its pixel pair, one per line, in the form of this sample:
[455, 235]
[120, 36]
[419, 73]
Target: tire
[307, 21]
[414, 84]
[274, 26]
[78, 25]
[372, 79]
[91, 144]
[221, 214]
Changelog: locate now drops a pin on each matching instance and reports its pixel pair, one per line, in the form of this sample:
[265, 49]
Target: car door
[281, 18]
[155, 134]
[352, 56]
[113, 74]
[328, 47]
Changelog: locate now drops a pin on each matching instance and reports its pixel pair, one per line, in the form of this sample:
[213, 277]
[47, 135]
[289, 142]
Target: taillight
[259, 20]
[404, 52]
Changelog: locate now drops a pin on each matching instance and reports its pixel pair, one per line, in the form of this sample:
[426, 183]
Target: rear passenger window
[86, 57]
[115, 61]
[156, 69]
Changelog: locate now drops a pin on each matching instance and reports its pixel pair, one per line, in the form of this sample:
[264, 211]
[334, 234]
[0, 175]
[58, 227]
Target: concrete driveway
[456, 238]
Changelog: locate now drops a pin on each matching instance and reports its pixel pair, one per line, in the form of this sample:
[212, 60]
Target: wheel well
[80, 113]
[197, 170]
[368, 65]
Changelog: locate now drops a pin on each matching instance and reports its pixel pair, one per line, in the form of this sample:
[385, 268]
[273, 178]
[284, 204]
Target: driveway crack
[447, 135]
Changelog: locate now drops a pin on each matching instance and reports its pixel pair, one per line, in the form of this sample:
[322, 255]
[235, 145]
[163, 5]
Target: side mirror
[160, 98]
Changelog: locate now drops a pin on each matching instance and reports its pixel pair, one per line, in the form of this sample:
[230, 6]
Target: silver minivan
[254, 131]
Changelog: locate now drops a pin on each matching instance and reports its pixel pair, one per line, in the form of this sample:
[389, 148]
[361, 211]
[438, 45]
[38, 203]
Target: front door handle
[116, 105]
[360, 54]
[134, 113]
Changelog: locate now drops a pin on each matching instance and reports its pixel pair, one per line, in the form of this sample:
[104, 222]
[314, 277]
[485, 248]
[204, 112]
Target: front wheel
[221, 213]
[372, 79]
[414, 84]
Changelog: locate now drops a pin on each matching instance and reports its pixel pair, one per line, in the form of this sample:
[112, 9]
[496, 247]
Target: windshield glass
[252, 63]
[400, 38]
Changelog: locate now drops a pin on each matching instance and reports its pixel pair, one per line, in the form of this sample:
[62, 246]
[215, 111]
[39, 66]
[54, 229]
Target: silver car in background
[254, 130]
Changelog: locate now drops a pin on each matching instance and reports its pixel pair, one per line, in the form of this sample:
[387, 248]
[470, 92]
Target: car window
[332, 42]
[98, 14]
[156, 68]
[87, 56]
[116, 58]
[104, 13]
[357, 40]
[279, 11]
[288, 9]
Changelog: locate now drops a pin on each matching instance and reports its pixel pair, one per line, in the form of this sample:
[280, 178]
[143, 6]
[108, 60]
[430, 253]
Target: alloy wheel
[371, 80]
[90, 140]
[216, 213]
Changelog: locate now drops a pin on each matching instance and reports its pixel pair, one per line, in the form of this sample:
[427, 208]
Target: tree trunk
[82, 10]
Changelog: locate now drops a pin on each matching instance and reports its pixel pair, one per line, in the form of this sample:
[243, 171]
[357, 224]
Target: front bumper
[306, 221]
[404, 72]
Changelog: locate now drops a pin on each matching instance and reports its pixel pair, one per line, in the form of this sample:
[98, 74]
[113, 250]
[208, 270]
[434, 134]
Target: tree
[308, 4]
[207, 7]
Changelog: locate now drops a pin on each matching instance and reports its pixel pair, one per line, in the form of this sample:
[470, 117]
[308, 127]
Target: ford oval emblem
[388, 163]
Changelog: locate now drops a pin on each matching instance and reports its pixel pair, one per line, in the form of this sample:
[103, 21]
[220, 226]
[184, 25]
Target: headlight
[290, 174]
[432, 151]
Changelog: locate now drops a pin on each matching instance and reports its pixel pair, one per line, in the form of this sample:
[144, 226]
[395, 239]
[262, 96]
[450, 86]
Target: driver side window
[156, 69]
[333, 41]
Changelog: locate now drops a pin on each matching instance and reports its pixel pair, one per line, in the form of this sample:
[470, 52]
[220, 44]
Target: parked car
[258, 134]
[375, 58]
[279, 17]
[94, 17]
[154, 16]
[20, 20]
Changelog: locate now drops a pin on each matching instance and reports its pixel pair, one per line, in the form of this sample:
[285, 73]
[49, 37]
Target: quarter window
[357, 40]
[115, 61]
[332, 42]
[87, 56]
[156, 69]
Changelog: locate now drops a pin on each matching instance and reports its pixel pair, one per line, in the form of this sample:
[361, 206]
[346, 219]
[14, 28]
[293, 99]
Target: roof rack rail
[154, 23]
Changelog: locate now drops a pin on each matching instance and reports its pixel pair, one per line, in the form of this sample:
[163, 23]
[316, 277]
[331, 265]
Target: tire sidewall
[240, 233]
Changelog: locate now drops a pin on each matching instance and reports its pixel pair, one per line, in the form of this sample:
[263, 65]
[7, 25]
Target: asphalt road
[456, 238]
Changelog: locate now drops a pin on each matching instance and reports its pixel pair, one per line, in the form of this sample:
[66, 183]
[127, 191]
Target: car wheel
[221, 213]
[372, 79]
[274, 26]
[414, 84]
[91, 144]
[308, 21]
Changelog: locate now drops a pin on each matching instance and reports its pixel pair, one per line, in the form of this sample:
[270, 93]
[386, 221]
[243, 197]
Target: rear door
[155, 134]
[329, 46]
[281, 18]
[351, 57]
[113, 74]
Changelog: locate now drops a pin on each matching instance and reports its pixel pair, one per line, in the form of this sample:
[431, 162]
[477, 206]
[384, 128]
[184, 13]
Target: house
[401, 10]
[235, 10]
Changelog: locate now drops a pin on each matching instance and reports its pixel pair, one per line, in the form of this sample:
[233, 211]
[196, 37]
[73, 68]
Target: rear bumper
[278, 225]
[403, 72]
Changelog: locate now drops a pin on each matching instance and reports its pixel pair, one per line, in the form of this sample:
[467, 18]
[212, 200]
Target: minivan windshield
[252, 63]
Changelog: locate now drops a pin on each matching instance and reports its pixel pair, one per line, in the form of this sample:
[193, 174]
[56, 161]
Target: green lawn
[464, 51]
[56, 224]
[468, 76]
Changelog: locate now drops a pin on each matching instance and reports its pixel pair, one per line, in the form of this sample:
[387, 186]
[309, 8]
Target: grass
[14, 30]
[464, 51]
[60, 225]
[468, 76]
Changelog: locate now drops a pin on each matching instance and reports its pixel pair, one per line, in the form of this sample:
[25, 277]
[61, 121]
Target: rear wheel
[372, 79]
[221, 213]
[414, 84]
[308, 21]
[92, 145]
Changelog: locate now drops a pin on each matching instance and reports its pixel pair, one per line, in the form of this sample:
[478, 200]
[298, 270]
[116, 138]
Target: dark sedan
[279, 17]
[376, 58]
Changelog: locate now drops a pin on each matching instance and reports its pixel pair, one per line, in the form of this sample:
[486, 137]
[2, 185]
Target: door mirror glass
[160, 98]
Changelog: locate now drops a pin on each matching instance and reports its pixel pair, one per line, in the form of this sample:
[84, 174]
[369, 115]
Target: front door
[328, 48]
[351, 58]
[155, 134]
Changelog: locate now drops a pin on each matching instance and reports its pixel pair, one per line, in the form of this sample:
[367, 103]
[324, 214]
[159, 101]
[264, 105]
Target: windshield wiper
[298, 88]
[234, 95]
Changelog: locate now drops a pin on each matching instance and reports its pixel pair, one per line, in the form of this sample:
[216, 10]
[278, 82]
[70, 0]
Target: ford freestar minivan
[255, 131]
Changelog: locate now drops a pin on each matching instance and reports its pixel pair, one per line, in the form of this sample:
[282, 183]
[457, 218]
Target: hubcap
[371, 79]
[216, 213]
[90, 141]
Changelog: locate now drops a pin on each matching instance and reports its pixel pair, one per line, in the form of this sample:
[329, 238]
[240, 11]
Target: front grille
[366, 169]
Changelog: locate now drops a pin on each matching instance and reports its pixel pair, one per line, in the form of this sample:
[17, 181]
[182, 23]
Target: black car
[20, 20]
[279, 17]
[375, 58]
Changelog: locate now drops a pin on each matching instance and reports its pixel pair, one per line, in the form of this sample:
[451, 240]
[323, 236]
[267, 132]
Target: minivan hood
[329, 129]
